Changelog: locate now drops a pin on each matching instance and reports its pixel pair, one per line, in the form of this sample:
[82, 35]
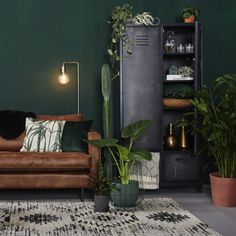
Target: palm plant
[217, 122]
[124, 156]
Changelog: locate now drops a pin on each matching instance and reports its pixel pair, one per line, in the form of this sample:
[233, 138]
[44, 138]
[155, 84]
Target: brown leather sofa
[46, 170]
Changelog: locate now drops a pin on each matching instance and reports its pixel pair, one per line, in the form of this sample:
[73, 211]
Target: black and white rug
[153, 217]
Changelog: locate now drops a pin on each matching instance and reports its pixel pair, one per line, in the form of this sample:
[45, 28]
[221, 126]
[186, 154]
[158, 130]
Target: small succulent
[185, 71]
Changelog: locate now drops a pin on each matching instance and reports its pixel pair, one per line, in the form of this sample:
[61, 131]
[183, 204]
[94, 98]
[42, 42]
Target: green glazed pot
[125, 195]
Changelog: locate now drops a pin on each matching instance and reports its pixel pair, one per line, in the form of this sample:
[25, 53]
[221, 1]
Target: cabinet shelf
[177, 151]
[178, 54]
[177, 81]
[177, 108]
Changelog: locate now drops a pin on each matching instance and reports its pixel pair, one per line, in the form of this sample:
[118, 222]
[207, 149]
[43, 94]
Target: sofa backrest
[70, 117]
[14, 145]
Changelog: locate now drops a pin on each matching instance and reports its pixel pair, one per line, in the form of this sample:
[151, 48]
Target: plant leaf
[135, 130]
[123, 152]
[140, 154]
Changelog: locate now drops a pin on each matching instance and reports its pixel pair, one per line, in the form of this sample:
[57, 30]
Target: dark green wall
[36, 36]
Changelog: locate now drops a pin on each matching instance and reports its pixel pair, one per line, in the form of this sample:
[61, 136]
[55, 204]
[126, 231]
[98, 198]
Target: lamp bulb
[63, 79]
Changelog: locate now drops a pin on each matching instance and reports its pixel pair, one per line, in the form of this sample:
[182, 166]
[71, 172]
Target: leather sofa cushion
[70, 117]
[13, 145]
[49, 161]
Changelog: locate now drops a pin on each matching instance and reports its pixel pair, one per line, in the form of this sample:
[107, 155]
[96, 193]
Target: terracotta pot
[190, 19]
[223, 191]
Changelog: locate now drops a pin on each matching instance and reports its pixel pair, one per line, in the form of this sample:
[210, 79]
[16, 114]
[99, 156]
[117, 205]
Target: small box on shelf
[173, 77]
[177, 77]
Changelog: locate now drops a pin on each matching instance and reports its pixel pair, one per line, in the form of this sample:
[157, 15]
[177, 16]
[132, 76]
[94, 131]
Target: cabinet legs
[82, 194]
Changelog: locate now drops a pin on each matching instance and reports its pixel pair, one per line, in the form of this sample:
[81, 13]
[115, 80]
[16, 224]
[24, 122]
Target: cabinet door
[140, 84]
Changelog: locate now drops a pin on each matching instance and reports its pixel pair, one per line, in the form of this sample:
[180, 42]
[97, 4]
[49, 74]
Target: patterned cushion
[42, 136]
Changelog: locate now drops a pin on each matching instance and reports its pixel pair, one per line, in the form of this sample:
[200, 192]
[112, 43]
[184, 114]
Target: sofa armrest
[95, 153]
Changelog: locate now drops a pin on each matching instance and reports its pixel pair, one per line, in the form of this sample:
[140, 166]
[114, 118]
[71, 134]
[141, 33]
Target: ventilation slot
[142, 40]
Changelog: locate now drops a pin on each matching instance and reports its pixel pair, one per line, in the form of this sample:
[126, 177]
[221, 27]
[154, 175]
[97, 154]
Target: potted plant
[119, 17]
[217, 125]
[186, 72]
[102, 189]
[189, 14]
[124, 156]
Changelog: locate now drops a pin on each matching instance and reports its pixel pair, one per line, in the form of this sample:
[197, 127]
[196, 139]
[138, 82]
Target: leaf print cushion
[42, 136]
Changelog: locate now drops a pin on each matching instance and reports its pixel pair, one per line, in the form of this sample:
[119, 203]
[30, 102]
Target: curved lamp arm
[64, 78]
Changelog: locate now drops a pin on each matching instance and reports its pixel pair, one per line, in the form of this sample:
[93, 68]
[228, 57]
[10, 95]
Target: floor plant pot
[223, 191]
[125, 195]
[101, 203]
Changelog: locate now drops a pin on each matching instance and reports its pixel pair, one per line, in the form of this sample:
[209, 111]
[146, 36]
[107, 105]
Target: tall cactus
[106, 92]
[107, 113]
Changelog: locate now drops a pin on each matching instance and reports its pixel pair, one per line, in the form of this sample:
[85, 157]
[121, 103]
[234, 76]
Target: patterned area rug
[161, 216]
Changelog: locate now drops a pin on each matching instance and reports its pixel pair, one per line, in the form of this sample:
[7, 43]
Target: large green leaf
[140, 154]
[123, 152]
[135, 130]
[107, 142]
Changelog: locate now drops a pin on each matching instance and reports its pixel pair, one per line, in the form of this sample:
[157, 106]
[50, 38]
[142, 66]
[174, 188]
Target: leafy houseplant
[217, 125]
[119, 17]
[188, 14]
[102, 188]
[124, 156]
[185, 71]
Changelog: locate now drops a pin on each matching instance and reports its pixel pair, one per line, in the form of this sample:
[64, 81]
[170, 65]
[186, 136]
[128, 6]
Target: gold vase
[183, 140]
[170, 139]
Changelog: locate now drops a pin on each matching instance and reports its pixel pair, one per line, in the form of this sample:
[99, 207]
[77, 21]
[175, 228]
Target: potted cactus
[106, 82]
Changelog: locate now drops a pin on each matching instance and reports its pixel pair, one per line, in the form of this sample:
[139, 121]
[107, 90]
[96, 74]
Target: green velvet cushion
[74, 134]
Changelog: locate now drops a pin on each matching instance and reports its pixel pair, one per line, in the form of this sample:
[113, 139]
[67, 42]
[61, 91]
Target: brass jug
[170, 139]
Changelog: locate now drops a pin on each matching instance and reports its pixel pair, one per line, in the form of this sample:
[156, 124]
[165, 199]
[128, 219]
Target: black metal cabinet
[142, 81]
[181, 167]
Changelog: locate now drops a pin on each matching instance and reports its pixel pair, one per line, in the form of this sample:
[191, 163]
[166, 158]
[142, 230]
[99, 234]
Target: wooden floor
[199, 204]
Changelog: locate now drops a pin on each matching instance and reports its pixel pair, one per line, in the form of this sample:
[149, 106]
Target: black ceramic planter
[125, 195]
[101, 203]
